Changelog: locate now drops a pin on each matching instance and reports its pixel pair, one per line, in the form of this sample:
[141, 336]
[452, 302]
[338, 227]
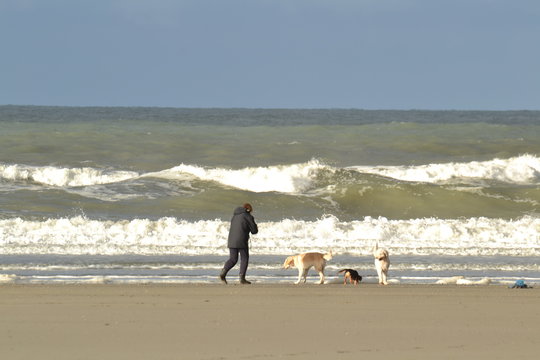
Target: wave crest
[289, 179]
[523, 169]
[63, 177]
[292, 178]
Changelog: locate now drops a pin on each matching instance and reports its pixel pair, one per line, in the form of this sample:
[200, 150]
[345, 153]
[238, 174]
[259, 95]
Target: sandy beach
[268, 322]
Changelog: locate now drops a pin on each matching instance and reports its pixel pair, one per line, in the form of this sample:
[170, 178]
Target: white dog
[303, 262]
[382, 263]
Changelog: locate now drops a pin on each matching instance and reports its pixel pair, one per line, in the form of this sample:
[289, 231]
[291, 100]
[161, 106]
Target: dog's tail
[342, 271]
[328, 256]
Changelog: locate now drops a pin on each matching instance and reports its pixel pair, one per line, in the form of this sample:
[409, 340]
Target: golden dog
[382, 263]
[303, 262]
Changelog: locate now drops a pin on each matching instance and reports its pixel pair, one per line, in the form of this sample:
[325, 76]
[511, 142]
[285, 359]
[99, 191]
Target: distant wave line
[289, 179]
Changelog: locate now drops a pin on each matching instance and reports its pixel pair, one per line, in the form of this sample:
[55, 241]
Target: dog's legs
[300, 273]
[384, 278]
[321, 275]
[379, 270]
[304, 275]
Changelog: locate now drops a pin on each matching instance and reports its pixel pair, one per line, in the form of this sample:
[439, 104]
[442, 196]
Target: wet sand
[264, 321]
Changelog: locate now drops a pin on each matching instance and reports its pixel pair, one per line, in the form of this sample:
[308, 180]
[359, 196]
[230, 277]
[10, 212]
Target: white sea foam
[294, 178]
[523, 169]
[430, 236]
[7, 278]
[299, 178]
[484, 281]
[289, 179]
[212, 278]
[450, 280]
[63, 177]
[272, 264]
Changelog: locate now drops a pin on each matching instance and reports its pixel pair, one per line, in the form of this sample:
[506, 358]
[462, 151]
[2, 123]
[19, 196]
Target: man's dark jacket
[242, 224]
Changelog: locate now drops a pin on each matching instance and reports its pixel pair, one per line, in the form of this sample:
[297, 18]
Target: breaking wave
[430, 236]
[288, 179]
[63, 177]
[524, 169]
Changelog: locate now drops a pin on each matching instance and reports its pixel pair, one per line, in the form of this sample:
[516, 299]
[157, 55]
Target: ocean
[145, 195]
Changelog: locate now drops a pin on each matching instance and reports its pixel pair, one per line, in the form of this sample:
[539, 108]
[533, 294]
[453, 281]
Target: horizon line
[267, 108]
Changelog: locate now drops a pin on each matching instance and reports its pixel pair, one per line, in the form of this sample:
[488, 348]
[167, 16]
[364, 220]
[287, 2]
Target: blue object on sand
[520, 284]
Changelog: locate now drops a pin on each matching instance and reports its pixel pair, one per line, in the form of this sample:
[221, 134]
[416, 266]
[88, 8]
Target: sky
[366, 54]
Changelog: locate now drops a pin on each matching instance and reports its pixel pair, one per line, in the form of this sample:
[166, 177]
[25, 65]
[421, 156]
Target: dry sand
[268, 322]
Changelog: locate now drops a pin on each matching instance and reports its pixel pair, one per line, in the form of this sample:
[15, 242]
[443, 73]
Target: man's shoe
[222, 277]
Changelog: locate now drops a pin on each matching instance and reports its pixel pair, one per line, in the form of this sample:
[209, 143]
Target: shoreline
[285, 321]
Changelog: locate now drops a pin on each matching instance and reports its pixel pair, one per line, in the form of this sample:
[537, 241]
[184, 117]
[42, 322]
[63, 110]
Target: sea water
[145, 195]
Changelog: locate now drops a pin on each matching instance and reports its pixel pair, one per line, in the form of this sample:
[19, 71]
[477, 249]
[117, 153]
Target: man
[242, 223]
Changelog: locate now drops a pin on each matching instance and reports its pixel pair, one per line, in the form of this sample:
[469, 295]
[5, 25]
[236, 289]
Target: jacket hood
[240, 210]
